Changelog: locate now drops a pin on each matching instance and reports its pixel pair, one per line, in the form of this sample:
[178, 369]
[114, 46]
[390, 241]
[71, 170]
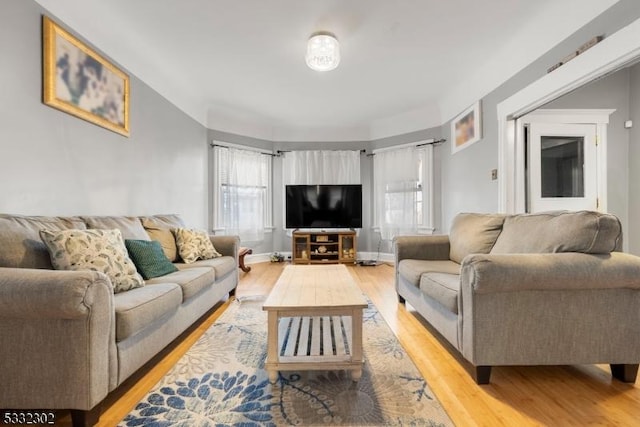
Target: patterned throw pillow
[194, 245]
[149, 258]
[97, 250]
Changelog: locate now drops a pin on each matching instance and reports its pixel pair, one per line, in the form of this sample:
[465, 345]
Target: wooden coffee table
[314, 321]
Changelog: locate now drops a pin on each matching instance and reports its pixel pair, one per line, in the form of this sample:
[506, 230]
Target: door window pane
[562, 166]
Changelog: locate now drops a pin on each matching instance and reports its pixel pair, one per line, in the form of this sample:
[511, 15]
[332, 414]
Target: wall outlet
[494, 174]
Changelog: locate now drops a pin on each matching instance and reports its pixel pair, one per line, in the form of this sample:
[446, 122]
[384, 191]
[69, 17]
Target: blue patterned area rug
[221, 381]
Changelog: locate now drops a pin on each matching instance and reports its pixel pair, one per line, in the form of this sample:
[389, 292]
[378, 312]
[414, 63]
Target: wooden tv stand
[323, 247]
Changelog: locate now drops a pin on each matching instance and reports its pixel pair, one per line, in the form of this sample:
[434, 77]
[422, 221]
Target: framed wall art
[79, 81]
[466, 128]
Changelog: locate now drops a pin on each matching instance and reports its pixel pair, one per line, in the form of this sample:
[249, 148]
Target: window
[242, 192]
[403, 191]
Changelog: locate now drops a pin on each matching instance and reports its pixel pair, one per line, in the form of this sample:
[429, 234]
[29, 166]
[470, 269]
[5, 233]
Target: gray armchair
[537, 289]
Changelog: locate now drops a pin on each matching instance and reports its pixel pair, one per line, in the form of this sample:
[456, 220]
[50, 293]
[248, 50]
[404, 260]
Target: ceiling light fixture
[323, 51]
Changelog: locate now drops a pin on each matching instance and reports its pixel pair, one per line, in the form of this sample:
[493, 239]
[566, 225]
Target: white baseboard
[256, 258]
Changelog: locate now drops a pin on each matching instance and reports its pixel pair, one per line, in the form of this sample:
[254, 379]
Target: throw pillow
[194, 245]
[159, 228]
[149, 258]
[97, 250]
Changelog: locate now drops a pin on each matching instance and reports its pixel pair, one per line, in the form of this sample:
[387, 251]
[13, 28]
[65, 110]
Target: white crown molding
[409, 121]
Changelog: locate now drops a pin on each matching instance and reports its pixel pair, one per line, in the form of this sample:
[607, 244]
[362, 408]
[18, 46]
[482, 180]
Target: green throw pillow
[149, 258]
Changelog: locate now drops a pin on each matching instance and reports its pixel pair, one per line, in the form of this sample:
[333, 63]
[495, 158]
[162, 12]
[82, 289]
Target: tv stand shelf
[320, 247]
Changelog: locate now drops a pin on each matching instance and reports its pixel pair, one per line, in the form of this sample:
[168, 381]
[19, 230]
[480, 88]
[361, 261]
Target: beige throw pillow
[194, 245]
[159, 228]
[97, 250]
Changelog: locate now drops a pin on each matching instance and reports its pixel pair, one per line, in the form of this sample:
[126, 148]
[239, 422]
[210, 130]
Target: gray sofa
[66, 340]
[530, 289]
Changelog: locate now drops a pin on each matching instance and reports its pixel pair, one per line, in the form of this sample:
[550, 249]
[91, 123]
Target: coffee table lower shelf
[323, 342]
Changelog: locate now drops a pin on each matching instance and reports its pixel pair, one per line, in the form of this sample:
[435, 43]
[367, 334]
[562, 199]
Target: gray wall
[633, 234]
[466, 182]
[56, 164]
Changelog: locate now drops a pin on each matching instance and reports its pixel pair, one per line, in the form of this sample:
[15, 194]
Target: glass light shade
[323, 52]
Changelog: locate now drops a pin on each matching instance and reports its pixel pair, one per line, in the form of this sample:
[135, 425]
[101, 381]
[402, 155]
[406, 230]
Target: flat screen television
[323, 206]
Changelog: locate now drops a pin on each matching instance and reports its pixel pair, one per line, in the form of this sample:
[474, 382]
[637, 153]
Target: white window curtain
[242, 192]
[402, 190]
[321, 167]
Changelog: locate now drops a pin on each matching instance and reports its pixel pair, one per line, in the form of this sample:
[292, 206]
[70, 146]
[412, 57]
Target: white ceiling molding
[410, 121]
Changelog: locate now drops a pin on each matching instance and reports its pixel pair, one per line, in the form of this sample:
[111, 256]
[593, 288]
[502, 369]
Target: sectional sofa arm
[33, 293]
[226, 245]
[552, 271]
[421, 247]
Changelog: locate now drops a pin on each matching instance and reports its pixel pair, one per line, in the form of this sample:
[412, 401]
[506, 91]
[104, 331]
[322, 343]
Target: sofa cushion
[194, 245]
[559, 231]
[97, 250]
[443, 288]
[20, 239]
[129, 226]
[138, 308]
[149, 258]
[473, 233]
[222, 265]
[192, 280]
[413, 269]
[159, 228]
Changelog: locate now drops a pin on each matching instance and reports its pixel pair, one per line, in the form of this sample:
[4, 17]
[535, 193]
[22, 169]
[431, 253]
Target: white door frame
[614, 52]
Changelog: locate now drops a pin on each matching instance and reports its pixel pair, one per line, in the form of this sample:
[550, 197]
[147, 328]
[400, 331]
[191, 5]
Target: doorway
[564, 159]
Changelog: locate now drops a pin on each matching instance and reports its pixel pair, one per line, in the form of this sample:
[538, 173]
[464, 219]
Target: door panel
[562, 168]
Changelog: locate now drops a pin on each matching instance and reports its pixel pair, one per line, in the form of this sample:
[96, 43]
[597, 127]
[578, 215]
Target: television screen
[322, 206]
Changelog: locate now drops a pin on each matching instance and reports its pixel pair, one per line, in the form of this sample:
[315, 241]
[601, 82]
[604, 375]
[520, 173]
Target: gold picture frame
[79, 81]
[466, 128]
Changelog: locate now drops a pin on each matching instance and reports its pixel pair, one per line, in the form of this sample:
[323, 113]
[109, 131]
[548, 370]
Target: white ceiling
[238, 66]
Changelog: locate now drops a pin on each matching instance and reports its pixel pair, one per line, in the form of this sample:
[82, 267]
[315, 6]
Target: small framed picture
[466, 128]
[78, 81]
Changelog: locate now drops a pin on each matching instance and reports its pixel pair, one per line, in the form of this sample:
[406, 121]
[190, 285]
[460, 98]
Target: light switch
[494, 174]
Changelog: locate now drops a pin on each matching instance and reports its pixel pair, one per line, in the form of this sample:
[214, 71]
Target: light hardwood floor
[517, 396]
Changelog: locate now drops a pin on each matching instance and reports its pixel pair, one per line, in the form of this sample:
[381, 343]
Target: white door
[563, 172]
